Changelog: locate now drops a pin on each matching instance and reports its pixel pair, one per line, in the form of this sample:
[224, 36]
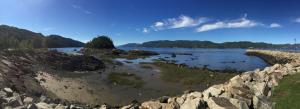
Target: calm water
[218, 59]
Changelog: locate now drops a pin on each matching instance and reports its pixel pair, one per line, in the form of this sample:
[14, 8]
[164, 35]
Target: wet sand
[94, 88]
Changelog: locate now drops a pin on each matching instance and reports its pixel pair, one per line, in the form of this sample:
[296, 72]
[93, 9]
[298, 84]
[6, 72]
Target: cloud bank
[182, 21]
[240, 23]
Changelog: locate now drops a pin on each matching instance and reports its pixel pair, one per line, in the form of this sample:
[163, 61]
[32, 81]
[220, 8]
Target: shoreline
[232, 92]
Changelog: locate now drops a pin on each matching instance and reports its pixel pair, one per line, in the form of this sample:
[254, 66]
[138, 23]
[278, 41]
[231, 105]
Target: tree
[101, 42]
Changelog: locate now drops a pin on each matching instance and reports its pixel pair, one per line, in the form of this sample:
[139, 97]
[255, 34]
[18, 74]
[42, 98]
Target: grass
[191, 76]
[125, 79]
[287, 93]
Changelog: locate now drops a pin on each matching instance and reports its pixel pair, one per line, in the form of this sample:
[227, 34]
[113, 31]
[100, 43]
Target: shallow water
[97, 87]
[217, 59]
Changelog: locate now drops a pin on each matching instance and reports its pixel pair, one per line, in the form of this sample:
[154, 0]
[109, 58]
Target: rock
[131, 106]
[261, 102]
[242, 93]
[151, 105]
[220, 103]
[239, 103]
[260, 88]
[196, 103]
[60, 106]
[32, 106]
[163, 99]
[42, 105]
[104, 106]
[236, 81]
[213, 91]
[28, 100]
[8, 90]
[8, 107]
[195, 95]
[3, 94]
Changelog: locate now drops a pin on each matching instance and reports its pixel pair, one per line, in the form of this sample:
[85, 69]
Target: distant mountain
[12, 37]
[206, 44]
[130, 45]
[56, 41]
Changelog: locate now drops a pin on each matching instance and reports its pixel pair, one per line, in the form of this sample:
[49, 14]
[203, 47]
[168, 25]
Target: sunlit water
[99, 87]
[218, 59]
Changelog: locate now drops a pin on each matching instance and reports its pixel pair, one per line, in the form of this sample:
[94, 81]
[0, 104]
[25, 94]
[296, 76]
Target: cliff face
[248, 90]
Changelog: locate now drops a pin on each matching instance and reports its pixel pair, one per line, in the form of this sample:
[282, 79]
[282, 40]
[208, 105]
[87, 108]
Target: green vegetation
[191, 76]
[126, 79]
[101, 42]
[15, 38]
[206, 44]
[286, 94]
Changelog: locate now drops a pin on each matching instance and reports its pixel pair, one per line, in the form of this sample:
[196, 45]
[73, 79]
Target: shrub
[101, 42]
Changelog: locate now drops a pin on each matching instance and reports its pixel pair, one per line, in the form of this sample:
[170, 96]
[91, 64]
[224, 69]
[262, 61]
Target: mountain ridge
[13, 37]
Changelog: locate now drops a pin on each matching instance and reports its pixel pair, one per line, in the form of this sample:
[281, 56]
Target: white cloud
[146, 30]
[240, 23]
[180, 22]
[297, 20]
[275, 25]
[159, 24]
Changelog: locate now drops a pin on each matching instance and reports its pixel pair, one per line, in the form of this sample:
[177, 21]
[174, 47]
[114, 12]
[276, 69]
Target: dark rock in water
[163, 99]
[173, 55]
[142, 53]
[71, 62]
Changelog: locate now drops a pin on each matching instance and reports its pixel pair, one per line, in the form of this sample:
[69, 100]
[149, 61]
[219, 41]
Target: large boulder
[220, 103]
[213, 91]
[261, 102]
[196, 103]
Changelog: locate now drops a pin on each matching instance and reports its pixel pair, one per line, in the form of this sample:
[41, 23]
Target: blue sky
[135, 21]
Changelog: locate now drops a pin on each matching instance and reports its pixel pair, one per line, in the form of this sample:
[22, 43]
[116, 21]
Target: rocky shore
[245, 91]
[248, 90]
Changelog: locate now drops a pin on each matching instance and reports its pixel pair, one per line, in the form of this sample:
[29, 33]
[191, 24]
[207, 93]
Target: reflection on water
[218, 59]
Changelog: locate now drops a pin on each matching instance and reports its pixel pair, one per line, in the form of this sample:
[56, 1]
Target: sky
[136, 21]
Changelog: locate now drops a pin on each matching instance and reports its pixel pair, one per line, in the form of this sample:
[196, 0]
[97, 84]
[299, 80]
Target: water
[217, 59]
[70, 50]
[97, 88]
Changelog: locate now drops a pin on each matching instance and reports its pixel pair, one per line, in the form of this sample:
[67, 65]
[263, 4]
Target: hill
[12, 37]
[205, 44]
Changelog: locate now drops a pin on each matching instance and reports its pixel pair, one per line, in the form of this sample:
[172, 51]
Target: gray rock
[196, 103]
[261, 102]
[151, 105]
[220, 103]
[28, 100]
[42, 105]
[32, 106]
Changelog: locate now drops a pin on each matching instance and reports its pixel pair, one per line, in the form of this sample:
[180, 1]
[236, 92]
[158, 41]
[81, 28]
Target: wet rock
[220, 103]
